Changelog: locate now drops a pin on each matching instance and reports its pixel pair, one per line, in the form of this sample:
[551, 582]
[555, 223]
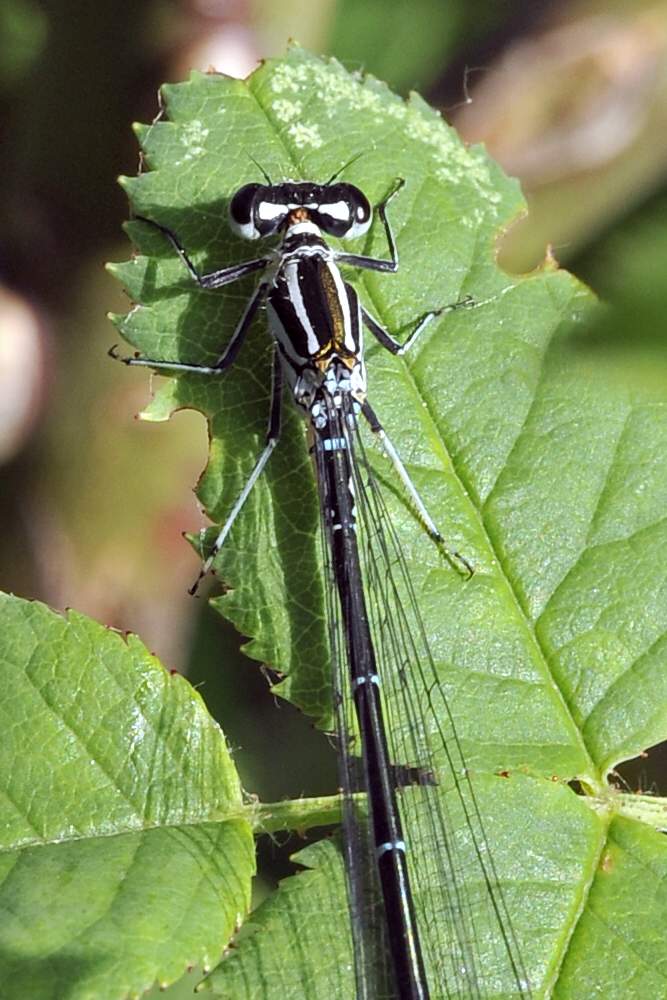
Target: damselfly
[449, 942]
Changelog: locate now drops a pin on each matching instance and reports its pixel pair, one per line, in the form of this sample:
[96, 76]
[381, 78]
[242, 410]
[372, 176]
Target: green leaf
[536, 460]
[125, 853]
[544, 886]
[586, 890]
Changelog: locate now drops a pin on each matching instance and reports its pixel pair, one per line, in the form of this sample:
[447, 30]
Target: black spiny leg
[214, 279]
[227, 357]
[395, 346]
[378, 263]
[391, 266]
[272, 437]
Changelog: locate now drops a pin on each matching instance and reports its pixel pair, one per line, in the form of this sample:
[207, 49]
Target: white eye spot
[268, 210]
[337, 210]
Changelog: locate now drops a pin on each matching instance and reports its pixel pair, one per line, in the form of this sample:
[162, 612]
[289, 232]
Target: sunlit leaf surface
[125, 855]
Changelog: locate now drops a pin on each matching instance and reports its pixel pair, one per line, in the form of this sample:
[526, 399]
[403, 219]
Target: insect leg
[227, 357]
[214, 279]
[395, 459]
[272, 437]
[378, 263]
[398, 348]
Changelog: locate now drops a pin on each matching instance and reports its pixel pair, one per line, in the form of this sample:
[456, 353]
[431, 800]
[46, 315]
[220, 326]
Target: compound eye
[361, 213]
[242, 211]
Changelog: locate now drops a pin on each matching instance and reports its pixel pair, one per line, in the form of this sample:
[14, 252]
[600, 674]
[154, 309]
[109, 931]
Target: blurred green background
[571, 97]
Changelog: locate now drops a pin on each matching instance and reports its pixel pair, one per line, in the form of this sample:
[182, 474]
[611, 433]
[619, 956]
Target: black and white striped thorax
[315, 315]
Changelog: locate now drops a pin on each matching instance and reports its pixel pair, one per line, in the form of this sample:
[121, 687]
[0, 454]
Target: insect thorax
[315, 318]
